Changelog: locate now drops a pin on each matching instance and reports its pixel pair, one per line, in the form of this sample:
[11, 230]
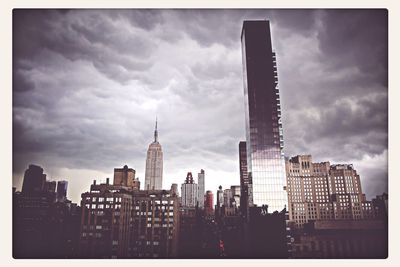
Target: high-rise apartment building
[200, 191]
[189, 192]
[264, 137]
[321, 191]
[154, 165]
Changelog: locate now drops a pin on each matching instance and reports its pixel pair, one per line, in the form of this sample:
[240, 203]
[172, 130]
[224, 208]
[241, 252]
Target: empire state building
[154, 165]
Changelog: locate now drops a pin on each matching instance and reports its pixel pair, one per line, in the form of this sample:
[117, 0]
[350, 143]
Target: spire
[156, 133]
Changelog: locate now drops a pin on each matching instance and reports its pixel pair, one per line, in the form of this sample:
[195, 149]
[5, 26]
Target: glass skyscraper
[264, 137]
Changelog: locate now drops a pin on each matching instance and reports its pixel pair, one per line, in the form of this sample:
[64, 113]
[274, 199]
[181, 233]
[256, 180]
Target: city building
[189, 192]
[200, 191]
[264, 136]
[321, 191]
[155, 222]
[342, 239]
[154, 165]
[34, 180]
[42, 227]
[122, 222]
[126, 177]
[244, 178]
[62, 187]
[174, 190]
[106, 221]
[209, 203]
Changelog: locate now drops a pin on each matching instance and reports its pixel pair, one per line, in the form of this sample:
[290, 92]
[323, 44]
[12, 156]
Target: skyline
[204, 74]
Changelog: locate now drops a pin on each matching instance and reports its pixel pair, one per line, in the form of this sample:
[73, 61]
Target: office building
[200, 191]
[154, 165]
[189, 192]
[321, 191]
[264, 136]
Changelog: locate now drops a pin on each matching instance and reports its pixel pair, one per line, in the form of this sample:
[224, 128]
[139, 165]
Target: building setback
[320, 191]
[264, 136]
[154, 165]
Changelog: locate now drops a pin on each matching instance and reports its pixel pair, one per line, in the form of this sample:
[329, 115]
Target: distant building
[126, 177]
[189, 192]
[174, 190]
[209, 203]
[321, 191]
[201, 188]
[34, 180]
[380, 204]
[62, 187]
[154, 165]
[50, 186]
[42, 227]
[244, 179]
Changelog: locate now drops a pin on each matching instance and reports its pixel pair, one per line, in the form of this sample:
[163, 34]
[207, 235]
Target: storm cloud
[88, 84]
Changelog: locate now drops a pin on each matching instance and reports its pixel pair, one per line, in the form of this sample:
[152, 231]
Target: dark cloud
[87, 85]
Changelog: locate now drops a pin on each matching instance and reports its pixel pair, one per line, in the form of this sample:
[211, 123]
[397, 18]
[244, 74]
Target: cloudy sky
[88, 85]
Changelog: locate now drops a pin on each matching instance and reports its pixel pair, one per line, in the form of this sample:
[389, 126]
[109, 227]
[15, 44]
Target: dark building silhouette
[42, 227]
[264, 136]
[62, 187]
[34, 180]
[341, 239]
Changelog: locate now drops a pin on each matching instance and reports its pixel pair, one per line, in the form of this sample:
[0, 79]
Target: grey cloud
[88, 84]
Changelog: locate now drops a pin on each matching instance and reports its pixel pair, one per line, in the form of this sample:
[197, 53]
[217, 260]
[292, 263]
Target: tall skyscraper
[264, 137]
[201, 189]
[154, 165]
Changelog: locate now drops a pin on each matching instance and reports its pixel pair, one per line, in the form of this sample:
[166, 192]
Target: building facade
[209, 203]
[126, 177]
[154, 165]
[321, 191]
[264, 136]
[189, 192]
[201, 188]
[105, 221]
[122, 222]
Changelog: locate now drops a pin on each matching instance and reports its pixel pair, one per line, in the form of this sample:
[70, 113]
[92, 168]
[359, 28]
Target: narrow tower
[154, 164]
[264, 137]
